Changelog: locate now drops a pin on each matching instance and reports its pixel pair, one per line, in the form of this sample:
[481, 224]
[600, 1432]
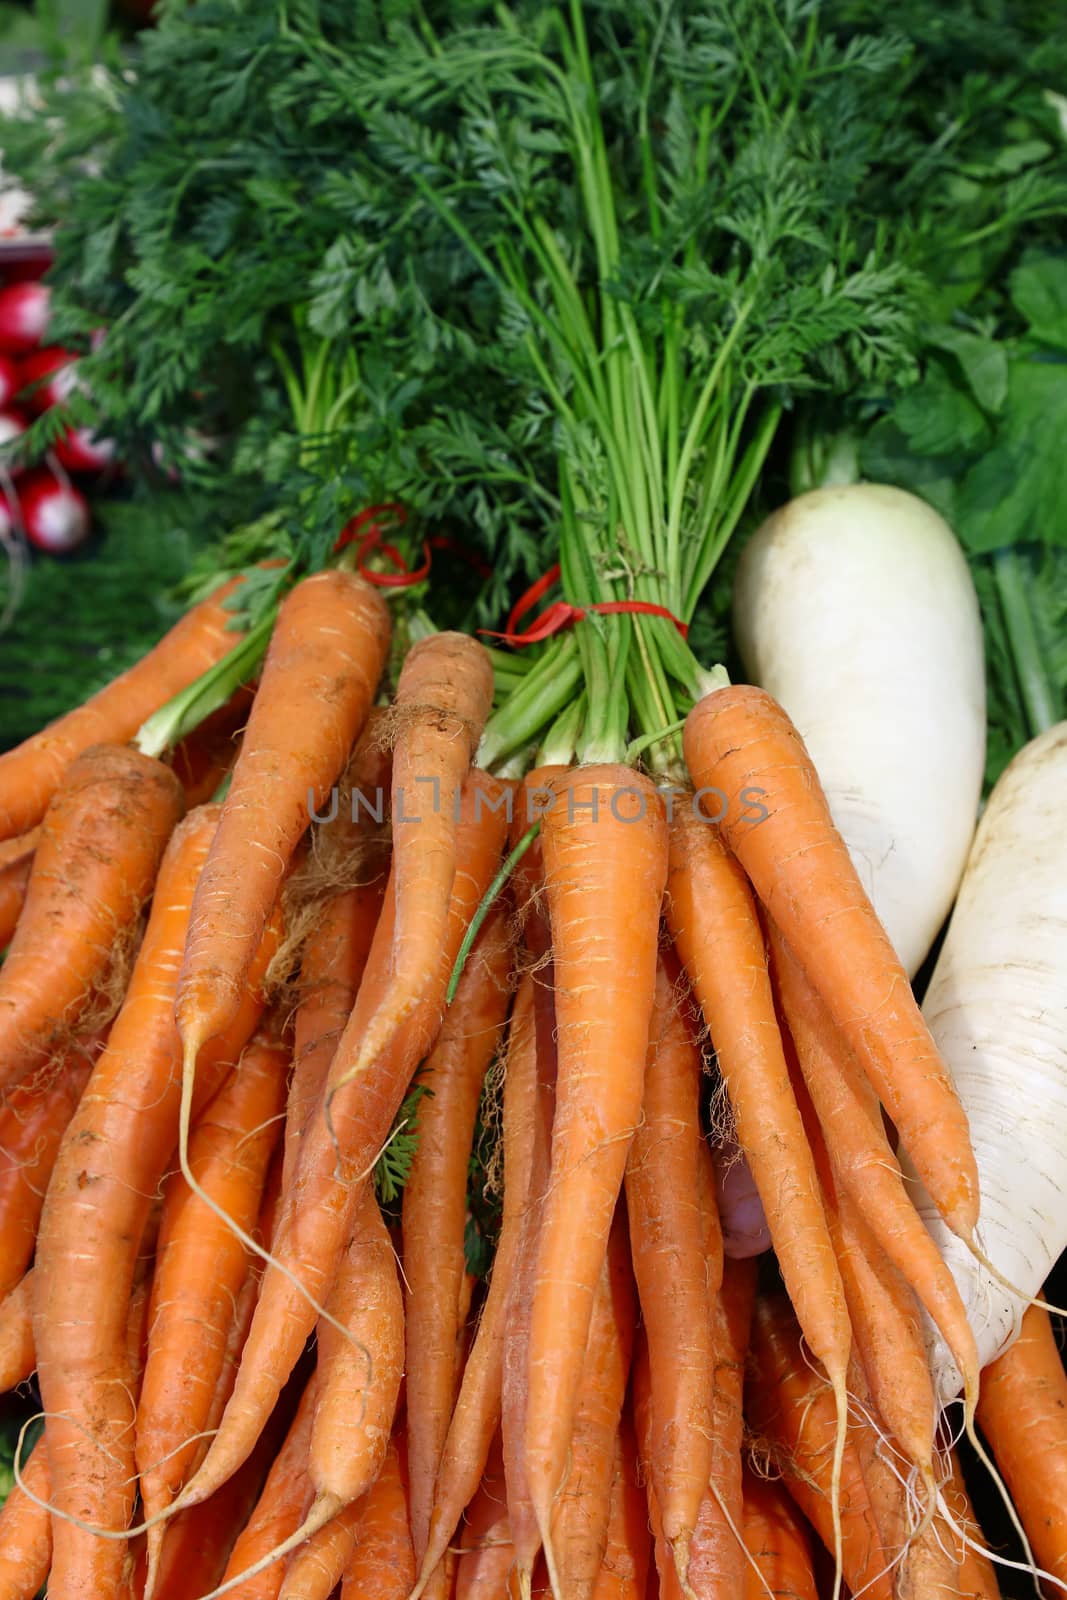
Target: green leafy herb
[393, 1166]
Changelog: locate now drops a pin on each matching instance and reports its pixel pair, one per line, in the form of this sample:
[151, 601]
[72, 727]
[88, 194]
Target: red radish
[79, 450]
[52, 372]
[29, 268]
[11, 380]
[23, 317]
[13, 424]
[55, 514]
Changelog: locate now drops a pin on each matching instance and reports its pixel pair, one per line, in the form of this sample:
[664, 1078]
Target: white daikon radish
[997, 1007]
[854, 607]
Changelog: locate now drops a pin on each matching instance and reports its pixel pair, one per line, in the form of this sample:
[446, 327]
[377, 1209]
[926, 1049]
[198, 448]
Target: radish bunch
[41, 501]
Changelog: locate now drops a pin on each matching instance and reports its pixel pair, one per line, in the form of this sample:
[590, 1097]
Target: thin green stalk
[741, 487]
[172, 722]
[491, 895]
[560, 742]
[1038, 696]
[689, 447]
[604, 730]
[522, 718]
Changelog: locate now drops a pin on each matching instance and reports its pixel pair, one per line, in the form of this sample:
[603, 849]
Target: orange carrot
[716, 1558]
[319, 677]
[477, 1409]
[605, 854]
[885, 1323]
[1022, 1410]
[317, 1567]
[197, 1544]
[331, 969]
[113, 1155]
[31, 774]
[777, 1540]
[851, 1120]
[279, 1510]
[517, 1305]
[443, 697]
[667, 1232]
[487, 1551]
[25, 1531]
[14, 881]
[583, 1507]
[663, 1565]
[791, 1406]
[317, 1214]
[203, 759]
[32, 1123]
[718, 936]
[740, 742]
[383, 1563]
[201, 1266]
[17, 1356]
[359, 1374]
[977, 1578]
[93, 868]
[624, 1569]
[435, 1207]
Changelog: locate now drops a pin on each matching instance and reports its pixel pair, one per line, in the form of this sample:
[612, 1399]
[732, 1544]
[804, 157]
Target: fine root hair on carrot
[323, 1509]
[246, 1238]
[1030, 1567]
[18, 1466]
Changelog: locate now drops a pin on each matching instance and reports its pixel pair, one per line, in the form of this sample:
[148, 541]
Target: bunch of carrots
[256, 1381]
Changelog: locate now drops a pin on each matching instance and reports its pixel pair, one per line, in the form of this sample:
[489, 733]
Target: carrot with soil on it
[476, 1415]
[862, 1158]
[94, 867]
[716, 1555]
[382, 1566]
[319, 1205]
[434, 1213]
[717, 933]
[605, 853]
[201, 1269]
[1022, 1410]
[582, 1511]
[739, 741]
[321, 671]
[668, 1226]
[114, 1154]
[31, 774]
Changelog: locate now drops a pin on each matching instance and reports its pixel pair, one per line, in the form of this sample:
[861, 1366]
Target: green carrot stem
[172, 722]
[1039, 700]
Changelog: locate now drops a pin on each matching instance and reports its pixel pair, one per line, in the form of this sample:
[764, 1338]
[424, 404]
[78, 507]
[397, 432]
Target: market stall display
[405, 956]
